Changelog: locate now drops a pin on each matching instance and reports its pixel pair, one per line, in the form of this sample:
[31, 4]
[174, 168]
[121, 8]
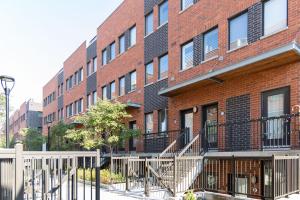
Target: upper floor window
[122, 86]
[71, 82]
[162, 120]
[88, 69]
[112, 51]
[149, 123]
[112, 90]
[149, 24]
[79, 105]
[187, 54]
[88, 101]
[94, 97]
[211, 40]
[67, 84]
[275, 16]
[133, 81]
[163, 13]
[122, 44]
[186, 3]
[238, 28]
[149, 73]
[132, 36]
[94, 64]
[104, 57]
[163, 67]
[80, 75]
[104, 93]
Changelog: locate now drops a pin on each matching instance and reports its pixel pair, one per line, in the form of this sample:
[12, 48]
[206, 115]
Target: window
[62, 89]
[149, 123]
[238, 35]
[275, 16]
[162, 120]
[149, 73]
[94, 97]
[71, 82]
[122, 44]
[79, 105]
[104, 93]
[186, 3]
[80, 75]
[67, 84]
[133, 81]
[122, 86]
[75, 107]
[149, 24]
[112, 51]
[187, 54]
[163, 67]
[94, 64]
[132, 36]
[88, 102]
[104, 57]
[211, 41]
[88, 69]
[163, 13]
[76, 78]
[112, 90]
[70, 110]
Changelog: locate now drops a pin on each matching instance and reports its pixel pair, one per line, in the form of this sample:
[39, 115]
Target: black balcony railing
[265, 133]
[158, 142]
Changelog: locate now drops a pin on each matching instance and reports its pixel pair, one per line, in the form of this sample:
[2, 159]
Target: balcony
[263, 134]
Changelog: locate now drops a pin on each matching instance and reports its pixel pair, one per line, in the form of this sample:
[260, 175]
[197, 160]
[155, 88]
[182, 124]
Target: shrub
[105, 176]
[190, 195]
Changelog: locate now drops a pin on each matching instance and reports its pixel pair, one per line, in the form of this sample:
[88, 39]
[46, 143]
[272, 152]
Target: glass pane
[163, 67]
[132, 36]
[133, 81]
[186, 3]
[210, 44]
[239, 31]
[104, 61]
[112, 90]
[104, 94]
[122, 86]
[95, 64]
[187, 53]
[275, 16]
[163, 13]
[149, 123]
[149, 73]
[149, 24]
[275, 127]
[112, 51]
[162, 123]
[122, 44]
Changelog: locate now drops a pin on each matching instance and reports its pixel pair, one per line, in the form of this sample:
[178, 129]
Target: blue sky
[36, 36]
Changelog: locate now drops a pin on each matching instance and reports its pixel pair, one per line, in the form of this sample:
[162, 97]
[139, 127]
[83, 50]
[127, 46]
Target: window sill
[131, 91]
[232, 50]
[183, 70]
[274, 33]
[149, 84]
[131, 47]
[210, 59]
[161, 79]
[185, 9]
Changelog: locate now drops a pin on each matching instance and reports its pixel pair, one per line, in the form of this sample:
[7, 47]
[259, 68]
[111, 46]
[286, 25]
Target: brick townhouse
[227, 70]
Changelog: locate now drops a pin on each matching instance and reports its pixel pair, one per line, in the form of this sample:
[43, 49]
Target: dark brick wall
[149, 4]
[60, 102]
[255, 22]
[156, 44]
[152, 100]
[198, 46]
[91, 51]
[238, 109]
[60, 78]
[91, 83]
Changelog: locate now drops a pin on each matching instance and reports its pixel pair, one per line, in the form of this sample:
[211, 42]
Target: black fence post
[233, 175]
[97, 168]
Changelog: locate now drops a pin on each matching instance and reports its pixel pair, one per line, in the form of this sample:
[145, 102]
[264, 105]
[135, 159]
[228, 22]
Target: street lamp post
[8, 84]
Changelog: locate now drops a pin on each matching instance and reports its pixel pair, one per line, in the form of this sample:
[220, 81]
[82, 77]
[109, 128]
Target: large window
[163, 13]
[94, 64]
[133, 81]
[112, 51]
[122, 44]
[132, 36]
[187, 54]
[238, 27]
[122, 86]
[186, 3]
[88, 101]
[94, 97]
[149, 123]
[104, 93]
[275, 16]
[104, 57]
[163, 67]
[162, 120]
[211, 40]
[149, 24]
[149, 73]
[112, 90]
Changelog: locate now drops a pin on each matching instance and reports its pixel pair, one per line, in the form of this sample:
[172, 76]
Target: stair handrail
[188, 146]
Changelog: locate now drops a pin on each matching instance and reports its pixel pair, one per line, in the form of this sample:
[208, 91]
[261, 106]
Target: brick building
[29, 115]
[192, 64]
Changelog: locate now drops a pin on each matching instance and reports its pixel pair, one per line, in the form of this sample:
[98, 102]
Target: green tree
[102, 125]
[2, 109]
[58, 141]
[33, 139]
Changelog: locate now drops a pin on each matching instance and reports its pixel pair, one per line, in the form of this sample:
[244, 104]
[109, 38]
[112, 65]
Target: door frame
[131, 139]
[204, 118]
[264, 112]
[187, 137]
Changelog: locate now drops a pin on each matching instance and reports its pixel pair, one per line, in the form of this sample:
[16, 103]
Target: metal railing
[49, 175]
[280, 132]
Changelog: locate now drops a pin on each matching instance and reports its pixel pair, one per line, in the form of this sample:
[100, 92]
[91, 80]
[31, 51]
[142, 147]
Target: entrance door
[210, 122]
[187, 123]
[276, 129]
[132, 141]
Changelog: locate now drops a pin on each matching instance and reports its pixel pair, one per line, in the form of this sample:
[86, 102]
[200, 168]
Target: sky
[37, 36]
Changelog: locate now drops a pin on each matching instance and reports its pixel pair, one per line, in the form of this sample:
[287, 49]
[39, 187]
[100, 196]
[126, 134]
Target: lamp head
[7, 83]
